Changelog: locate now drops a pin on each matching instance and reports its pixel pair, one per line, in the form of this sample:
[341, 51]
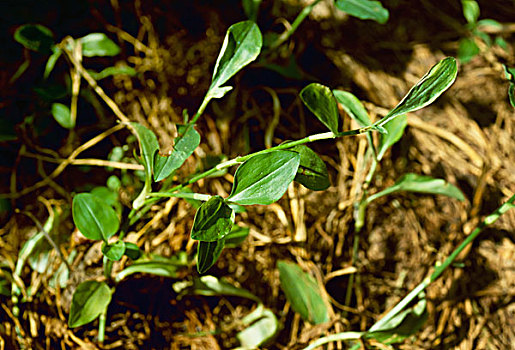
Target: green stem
[197, 196]
[102, 326]
[201, 109]
[296, 23]
[108, 267]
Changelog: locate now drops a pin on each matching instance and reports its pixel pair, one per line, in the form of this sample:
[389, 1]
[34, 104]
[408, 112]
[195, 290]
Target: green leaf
[511, 94]
[401, 326]
[132, 251]
[320, 100]
[488, 22]
[467, 50]
[422, 184]
[438, 79]
[395, 129]
[251, 8]
[213, 220]
[110, 71]
[94, 218]
[52, 60]
[187, 141]
[353, 107]
[264, 178]
[153, 265]
[237, 236]
[312, 172]
[364, 9]
[35, 37]
[62, 115]
[208, 253]
[470, 10]
[210, 286]
[98, 44]
[242, 45]
[263, 325]
[510, 75]
[302, 292]
[115, 251]
[148, 147]
[89, 300]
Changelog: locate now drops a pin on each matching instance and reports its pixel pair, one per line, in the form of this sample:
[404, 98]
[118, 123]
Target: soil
[466, 137]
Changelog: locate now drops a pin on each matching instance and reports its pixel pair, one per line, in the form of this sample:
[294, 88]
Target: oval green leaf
[115, 251]
[395, 129]
[467, 50]
[208, 253]
[89, 300]
[62, 115]
[320, 101]
[438, 79]
[470, 11]
[187, 141]
[353, 107]
[264, 178]
[155, 265]
[98, 44]
[95, 219]
[364, 9]
[213, 220]
[35, 37]
[312, 172]
[242, 45]
[302, 292]
[237, 236]
[422, 184]
[132, 251]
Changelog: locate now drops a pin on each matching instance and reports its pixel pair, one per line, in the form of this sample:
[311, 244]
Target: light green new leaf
[320, 100]
[213, 220]
[110, 71]
[467, 50]
[510, 75]
[95, 219]
[264, 178]
[98, 44]
[438, 79]
[148, 148]
[35, 37]
[395, 129]
[208, 253]
[115, 251]
[154, 265]
[242, 45]
[251, 8]
[422, 184]
[302, 292]
[263, 325]
[62, 115]
[364, 9]
[89, 300]
[353, 107]
[52, 60]
[210, 285]
[312, 172]
[237, 236]
[470, 11]
[187, 141]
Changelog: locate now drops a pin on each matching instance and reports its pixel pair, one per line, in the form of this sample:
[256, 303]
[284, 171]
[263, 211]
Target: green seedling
[468, 47]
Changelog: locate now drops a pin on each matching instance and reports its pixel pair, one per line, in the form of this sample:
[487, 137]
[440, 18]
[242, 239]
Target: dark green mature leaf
[115, 251]
[364, 9]
[242, 44]
[320, 100]
[422, 184]
[264, 178]
[395, 129]
[213, 220]
[132, 251]
[302, 292]
[470, 10]
[438, 79]
[353, 107]
[35, 37]
[208, 253]
[312, 172]
[95, 219]
[148, 148]
[263, 325]
[98, 44]
[467, 50]
[237, 236]
[89, 300]
[62, 115]
[400, 327]
[185, 144]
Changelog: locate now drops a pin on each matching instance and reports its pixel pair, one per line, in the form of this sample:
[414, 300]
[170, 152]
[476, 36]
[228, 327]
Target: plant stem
[102, 326]
[296, 23]
[201, 109]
